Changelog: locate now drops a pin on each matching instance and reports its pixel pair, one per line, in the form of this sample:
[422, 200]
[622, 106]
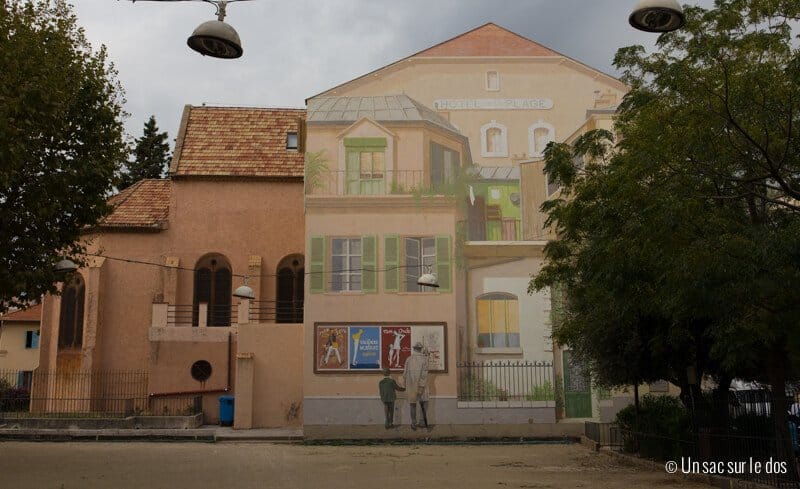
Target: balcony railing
[502, 229]
[387, 182]
[246, 311]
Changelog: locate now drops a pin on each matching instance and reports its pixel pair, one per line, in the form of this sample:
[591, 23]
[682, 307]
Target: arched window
[539, 135]
[498, 320]
[70, 323]
[212, 286]
[289, 290]
[494, 139]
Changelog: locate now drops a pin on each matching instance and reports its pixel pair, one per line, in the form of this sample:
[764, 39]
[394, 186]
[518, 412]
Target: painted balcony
[378, 183]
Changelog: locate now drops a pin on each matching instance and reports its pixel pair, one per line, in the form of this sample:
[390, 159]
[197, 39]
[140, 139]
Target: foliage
[316, 167]
[543, 392]
[13, 398]
[677, 238]
[151, 156]
[476, 388]
[661, 429]
[61, 142]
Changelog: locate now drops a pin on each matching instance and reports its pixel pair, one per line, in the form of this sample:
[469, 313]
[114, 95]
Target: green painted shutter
[443, 264]
[391, 262]
[353, 173]
[317, 271]
[369, 264]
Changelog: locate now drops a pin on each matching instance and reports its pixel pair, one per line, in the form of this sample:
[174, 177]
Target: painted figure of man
[394, 349]
[332, 347]
[415, 374]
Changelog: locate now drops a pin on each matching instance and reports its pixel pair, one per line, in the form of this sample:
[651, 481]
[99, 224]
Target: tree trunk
[776, 369]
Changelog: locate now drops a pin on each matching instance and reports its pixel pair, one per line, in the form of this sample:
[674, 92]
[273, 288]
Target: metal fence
[383, 182]
[276, 311]
[506, 381]
[604, 434]
[92, 394]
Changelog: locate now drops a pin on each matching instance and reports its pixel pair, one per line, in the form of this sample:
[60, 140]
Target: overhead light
[428, 280]
[657, 16]
[244, 291]
[215, 38]
[65, 266]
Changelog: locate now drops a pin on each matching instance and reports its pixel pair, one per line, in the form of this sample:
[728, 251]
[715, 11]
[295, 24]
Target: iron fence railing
[89, 394]
[604, 434]
[276, 311]
[189, 314]
[506, 381]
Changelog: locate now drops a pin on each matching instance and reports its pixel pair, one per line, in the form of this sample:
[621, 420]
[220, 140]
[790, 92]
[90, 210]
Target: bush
[662, 430]
[544, 392]
[14, 399]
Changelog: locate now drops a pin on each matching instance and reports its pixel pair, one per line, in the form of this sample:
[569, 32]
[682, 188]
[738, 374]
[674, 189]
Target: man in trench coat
[415, 375]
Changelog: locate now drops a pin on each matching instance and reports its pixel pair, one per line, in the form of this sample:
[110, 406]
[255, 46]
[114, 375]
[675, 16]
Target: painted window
[31, 340]
[212, 286]
[408, 258]
[494, 139]
[345, 264]
[539, 135]
[291, 140]
[365, 166]
[492, 81]
[498, 320]
[70, 323]
[444, 165]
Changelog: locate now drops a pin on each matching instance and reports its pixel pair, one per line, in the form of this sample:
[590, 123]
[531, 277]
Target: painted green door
[577, 390]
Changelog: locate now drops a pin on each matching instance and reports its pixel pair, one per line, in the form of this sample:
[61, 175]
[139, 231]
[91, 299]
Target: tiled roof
[237, 141]
[489, 40]
[145, 204]
[388, 108]
[30, 314]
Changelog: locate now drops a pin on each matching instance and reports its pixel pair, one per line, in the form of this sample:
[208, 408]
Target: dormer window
[291, 140]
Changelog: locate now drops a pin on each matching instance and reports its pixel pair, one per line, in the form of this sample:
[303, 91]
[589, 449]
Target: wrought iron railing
[385, 182]
[276, 311]
[506, 381]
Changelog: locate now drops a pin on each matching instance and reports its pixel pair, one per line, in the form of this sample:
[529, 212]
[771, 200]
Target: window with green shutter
[444, 264]
[317, 277]
[391, 263]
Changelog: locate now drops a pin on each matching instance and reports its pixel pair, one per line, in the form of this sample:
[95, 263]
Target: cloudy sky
[298, 48]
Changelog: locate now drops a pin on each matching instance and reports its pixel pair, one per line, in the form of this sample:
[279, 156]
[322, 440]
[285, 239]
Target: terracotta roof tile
[238, 141]
[489, 40]
[145, 204]
[30, 314]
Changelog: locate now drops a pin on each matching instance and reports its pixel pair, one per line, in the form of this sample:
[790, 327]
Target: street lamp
[244, 291]
[214, 38]
[657, 16]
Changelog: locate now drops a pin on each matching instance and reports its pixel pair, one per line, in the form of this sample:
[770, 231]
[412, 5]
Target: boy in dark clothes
[387, 386]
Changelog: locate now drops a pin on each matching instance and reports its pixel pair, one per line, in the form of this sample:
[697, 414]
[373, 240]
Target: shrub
[662, 430]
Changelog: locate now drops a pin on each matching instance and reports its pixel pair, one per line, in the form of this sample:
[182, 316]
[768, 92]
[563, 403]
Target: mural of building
[156, 294]
[19, 345]
[509, 96]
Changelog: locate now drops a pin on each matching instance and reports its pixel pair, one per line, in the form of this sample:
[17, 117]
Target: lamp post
[657, 16]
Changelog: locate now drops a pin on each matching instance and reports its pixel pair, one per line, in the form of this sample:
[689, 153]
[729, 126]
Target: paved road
[86, 465]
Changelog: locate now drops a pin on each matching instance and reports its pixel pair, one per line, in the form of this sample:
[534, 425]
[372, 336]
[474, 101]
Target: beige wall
[572, 87]
[239, 219]
[13, 354]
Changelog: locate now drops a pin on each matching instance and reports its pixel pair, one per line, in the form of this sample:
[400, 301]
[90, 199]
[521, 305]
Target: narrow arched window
[289, 291]
[212, 286]
[494, 139]
[498, 320]
[70, 324]
[539, 135]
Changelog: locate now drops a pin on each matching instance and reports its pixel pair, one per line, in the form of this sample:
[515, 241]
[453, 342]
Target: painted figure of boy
[387, 387]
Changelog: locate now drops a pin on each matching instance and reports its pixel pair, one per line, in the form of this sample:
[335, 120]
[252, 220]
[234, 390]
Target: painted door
[577, 390]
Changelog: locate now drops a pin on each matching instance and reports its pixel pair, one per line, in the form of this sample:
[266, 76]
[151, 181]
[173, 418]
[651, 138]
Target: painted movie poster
[365, 347]
[395, 346]
[332, 348]
[432, 339]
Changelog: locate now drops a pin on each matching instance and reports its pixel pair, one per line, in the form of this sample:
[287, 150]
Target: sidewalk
[207, 433]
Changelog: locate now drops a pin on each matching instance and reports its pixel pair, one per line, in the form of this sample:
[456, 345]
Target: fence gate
[577, 390]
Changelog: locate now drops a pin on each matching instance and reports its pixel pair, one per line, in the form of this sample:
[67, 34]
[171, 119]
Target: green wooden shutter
[369, 264]
[443, 264]
[353, 173]
[391, 262]
[317, 270]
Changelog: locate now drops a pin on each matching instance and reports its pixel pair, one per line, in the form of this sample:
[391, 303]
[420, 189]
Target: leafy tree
[678, 249]
[151, 156]
[61, 142]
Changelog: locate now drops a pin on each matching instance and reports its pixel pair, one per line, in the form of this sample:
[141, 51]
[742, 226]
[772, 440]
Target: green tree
[151, 156]
[678, 249]
[61, 142]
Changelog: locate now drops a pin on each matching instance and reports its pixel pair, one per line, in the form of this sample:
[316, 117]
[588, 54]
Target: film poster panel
[432, 339]
[395, 346]
[365, 347]
[332, 348]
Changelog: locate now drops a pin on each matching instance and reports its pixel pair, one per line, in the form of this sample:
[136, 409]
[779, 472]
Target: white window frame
[533, 151]
[348, 273]
[503, 151]
[427, 263]
[487, 85]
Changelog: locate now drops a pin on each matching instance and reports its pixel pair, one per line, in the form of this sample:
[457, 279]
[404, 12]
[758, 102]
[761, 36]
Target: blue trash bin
[226, 410]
